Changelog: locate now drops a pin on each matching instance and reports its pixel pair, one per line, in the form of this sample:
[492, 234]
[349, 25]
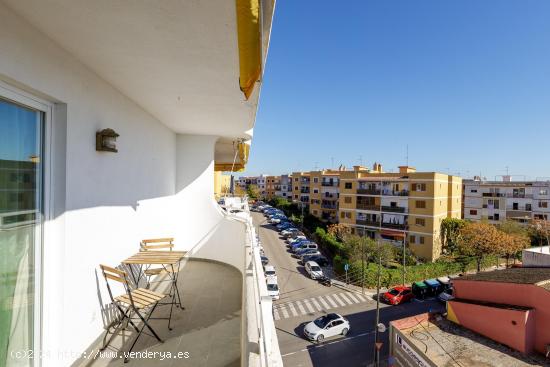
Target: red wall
[509, 327]
[514, 294]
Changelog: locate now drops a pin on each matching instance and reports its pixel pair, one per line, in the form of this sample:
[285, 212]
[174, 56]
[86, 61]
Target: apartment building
[222, 184]
[403, 207]
[272, 186]
[301, 187]
[324, 189]
[498, 201]
[114, 118]
[259, 183]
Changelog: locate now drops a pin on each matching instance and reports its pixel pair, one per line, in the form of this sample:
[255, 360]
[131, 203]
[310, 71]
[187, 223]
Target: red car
[398, 295]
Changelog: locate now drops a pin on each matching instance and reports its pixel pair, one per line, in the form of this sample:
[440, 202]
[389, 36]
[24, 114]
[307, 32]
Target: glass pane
[20, 227]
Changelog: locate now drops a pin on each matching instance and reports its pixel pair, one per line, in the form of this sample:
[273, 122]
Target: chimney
[406, 169]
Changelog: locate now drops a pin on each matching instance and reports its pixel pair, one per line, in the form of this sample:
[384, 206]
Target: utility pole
[376, 331]
[362, 266]
[404, 256]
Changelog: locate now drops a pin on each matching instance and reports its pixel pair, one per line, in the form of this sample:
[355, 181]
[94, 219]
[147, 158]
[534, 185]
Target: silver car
[327, 326]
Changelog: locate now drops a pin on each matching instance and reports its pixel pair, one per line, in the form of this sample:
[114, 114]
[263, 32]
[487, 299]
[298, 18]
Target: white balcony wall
[473, 202]
[402, 202]
[102, 204]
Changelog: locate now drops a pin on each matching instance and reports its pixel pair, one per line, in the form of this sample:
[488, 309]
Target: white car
[269, 271]
[327, 326]
[295, 239]
[273, 288]
[314, 270]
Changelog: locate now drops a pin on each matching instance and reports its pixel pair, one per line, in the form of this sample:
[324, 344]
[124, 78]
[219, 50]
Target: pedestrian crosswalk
[317, 304]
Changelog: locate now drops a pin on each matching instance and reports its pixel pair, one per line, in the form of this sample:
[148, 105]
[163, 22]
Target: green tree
[252, 192]
[479, 240]
[450, 233]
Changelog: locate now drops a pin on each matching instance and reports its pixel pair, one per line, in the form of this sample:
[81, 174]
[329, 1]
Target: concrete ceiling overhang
[177, 59]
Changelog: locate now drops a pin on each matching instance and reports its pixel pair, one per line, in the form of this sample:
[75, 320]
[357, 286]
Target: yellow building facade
[407, 206]
[222, 184]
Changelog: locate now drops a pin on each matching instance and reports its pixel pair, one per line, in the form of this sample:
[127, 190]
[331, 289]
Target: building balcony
[401, 226]
[363, 206]
[393, 209]
[328, 206]
[519, 196]
[304, 190]
[334, 183]
[519, 208]
[365, 222]
[364, 191]
[395, 192]
[493, 194]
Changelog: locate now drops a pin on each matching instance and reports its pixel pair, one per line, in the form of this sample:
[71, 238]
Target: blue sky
[466, 84]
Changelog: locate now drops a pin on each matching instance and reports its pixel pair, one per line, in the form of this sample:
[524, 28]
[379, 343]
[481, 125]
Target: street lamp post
[376, 331]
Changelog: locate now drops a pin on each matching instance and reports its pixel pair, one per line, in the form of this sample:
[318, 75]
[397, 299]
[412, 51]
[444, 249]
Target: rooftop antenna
[507, 171]
[316, 166]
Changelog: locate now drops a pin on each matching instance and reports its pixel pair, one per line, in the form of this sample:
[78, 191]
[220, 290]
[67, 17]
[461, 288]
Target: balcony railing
[395, 192]
[368, 207]
[519, 208]
[364, 191]
[401, 226]
[493, 194]
[304, 190]
[519, 196]
[393, 209]
[328, 206]
[329, 183]
[366, 222]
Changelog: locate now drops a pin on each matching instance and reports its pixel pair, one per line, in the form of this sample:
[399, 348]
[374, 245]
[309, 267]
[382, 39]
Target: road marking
[331, 301]
[301, 308]
[316, 304]
[353, 298]
[292, 309]
[337, 298]
[361, 297]
[276, 314]
[308, 305]
[317, 346]
[324, 303]
[344, 296]
[285, 313]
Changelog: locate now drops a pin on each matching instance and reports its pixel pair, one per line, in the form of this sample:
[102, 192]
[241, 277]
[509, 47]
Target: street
[303, 299]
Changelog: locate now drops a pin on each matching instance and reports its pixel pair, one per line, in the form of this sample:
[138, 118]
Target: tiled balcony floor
[209, 328]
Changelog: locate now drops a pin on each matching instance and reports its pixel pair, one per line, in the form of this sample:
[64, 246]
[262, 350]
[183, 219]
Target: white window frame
[23, 98]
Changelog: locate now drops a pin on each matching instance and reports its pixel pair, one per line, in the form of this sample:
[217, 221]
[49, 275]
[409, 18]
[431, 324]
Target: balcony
[393, 209]
[519, 195]
[365, 191]
[519, 208]
[366, 222]
[401, 226]
[368, 207]
[395, 192]
[329, 183]
[328, 206]
[304, 190]
[493, 194]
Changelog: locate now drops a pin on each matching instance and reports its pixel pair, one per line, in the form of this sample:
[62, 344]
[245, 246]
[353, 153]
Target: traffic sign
[378, 345]
[346, 267]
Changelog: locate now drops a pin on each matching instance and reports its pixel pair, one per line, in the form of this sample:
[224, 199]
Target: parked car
[273, 288]
[290, 231]
[327, 326]
[304, 245]
[314, 270]
[305, 251]
[277, 219]
[283, 226]
[269, 271]
[298, 245]
[296, 239]
[446, 295]
[301, 257]
[319, 259]
[265, 260]
[398, 295]
[294, 235]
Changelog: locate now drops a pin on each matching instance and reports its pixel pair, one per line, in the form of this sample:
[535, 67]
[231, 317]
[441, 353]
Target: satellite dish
[381, 328]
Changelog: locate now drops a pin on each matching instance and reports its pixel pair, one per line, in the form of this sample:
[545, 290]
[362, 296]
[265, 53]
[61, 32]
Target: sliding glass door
[21, 209]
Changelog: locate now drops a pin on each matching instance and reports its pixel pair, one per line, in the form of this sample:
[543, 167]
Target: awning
[250, 47]
[388, 232]
[242, 151]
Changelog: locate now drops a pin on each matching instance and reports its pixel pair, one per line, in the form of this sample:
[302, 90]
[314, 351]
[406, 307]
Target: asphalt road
[302, 300]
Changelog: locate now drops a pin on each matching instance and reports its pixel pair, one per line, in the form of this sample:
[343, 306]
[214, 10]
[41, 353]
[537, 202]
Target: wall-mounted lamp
[105, 140]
